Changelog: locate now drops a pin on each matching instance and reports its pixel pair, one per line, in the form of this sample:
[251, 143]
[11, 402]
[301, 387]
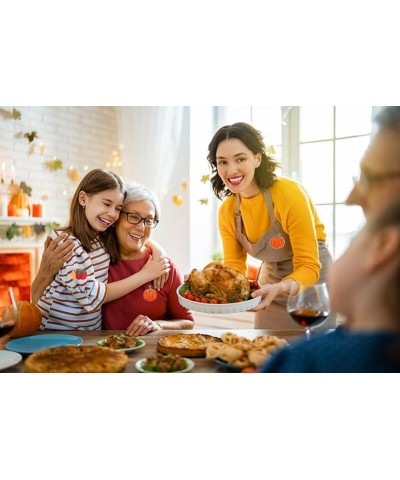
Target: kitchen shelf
[26, 220]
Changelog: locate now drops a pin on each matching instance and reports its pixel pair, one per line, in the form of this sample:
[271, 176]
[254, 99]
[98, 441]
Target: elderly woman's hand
[55, 254]
[141, 326]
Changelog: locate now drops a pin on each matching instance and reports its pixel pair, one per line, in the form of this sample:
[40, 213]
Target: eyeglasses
[135, 219]
[366, 180]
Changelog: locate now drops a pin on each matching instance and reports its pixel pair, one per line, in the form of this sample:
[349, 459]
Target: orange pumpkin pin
[277, 242]
[150, 294]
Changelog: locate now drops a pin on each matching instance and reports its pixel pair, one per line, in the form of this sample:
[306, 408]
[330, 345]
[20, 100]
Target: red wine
[5, 328]
[308, 317]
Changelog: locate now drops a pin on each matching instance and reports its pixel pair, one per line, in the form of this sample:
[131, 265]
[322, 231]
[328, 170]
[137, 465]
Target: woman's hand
[269, 291]
[141, 326]
[159, 282]
[158, 254]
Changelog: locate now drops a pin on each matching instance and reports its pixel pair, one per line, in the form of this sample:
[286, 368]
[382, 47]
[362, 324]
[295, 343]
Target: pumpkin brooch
[277, 242]
[150, 294]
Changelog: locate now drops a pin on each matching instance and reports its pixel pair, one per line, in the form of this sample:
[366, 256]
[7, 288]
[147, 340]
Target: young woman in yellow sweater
[269, 217]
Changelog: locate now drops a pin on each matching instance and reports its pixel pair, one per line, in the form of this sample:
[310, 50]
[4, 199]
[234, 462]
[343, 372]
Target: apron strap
[268, 201]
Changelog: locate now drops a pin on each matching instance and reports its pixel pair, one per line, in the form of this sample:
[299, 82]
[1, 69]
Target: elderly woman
[147, 308]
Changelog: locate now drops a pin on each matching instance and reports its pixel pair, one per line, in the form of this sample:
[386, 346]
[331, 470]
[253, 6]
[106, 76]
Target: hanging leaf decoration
[38, 228]
[73, 174]
[184, 186]
[203, 201]
[7, 115]
[31, 136]
[270, 150]
[54, 165]
[205, 178]
[15, 114]
[12, 230]
[25, 188]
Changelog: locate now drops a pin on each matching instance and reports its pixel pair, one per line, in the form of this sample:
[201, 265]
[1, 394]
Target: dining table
[201, 364]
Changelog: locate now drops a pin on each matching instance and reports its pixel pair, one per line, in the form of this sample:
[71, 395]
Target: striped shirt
[74, 298]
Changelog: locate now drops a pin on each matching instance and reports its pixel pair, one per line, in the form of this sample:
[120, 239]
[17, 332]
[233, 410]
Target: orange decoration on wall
[177, 199]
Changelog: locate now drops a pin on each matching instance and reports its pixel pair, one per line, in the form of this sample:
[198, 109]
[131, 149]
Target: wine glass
[308, 305]
[8, 310]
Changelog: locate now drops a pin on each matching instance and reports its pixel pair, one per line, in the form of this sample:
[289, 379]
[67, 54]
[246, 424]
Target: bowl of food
[121, 341]
[170, 363]
[217, 289]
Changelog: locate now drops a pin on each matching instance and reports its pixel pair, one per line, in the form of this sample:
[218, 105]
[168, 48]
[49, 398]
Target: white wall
[79, 136]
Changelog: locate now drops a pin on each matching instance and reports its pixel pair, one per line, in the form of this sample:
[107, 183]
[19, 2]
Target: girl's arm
[151, 270]
[158, 251]
[55, 254]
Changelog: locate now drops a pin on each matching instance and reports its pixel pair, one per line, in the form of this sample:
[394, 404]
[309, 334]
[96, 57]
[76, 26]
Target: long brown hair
[265, 174]
[95, 181]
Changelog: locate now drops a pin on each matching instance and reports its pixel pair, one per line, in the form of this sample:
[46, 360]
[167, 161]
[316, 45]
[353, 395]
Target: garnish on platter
[217, 289]
[170, 363]
[240, 352]
[121, 341]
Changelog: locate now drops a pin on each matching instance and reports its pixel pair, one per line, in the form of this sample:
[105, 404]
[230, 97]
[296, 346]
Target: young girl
[273, 219]
[364, 286]
[74, 298]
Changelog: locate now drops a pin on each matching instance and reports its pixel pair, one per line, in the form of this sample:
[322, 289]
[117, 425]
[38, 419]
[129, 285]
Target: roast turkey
[220, 282]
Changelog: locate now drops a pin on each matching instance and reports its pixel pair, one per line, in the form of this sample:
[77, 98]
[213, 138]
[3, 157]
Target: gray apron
[275, 251]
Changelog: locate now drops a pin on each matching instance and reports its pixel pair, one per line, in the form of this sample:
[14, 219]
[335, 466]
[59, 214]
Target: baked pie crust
[77, 359]
[186, 344]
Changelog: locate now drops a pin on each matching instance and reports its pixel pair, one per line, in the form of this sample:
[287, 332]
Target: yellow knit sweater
[296, 213]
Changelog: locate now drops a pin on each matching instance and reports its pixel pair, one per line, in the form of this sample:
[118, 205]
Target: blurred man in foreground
[379, 180]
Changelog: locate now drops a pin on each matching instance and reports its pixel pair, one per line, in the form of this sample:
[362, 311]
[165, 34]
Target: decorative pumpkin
[20, 200]
[277, 242]
[29, 319]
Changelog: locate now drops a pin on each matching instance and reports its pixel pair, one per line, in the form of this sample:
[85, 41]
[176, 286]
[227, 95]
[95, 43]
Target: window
[320, 147]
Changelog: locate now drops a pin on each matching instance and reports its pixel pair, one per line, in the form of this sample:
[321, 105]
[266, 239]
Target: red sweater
[162, 305]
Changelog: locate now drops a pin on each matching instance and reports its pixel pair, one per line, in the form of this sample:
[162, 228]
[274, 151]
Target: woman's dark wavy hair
[265, 174]
[95, 181]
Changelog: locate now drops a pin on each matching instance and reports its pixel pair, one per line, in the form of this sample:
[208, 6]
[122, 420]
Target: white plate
[217, 307]
[139, 341]
[9, 359]
[189, 363]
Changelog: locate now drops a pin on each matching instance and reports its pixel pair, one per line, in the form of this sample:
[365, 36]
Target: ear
[82, 198]
[258, 159]
[384, 247]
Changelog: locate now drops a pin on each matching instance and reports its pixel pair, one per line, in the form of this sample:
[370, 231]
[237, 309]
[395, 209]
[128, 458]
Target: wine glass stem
[308, 333]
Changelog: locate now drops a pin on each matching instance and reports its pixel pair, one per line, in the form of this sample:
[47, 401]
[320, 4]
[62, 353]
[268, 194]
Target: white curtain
[156, 149]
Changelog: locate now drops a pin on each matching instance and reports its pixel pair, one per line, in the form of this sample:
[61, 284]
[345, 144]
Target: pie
[186, 344]
[77, 359]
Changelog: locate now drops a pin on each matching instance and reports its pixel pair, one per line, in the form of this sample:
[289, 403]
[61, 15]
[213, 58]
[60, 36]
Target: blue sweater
[341, 351]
